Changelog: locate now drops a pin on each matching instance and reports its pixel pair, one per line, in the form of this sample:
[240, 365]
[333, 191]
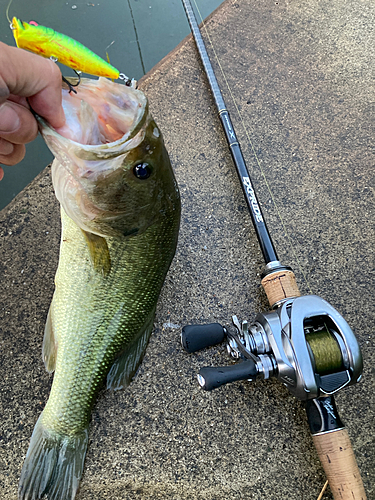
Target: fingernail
[9, 119]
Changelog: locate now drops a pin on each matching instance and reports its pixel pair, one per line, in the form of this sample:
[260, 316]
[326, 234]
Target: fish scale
[133, 283]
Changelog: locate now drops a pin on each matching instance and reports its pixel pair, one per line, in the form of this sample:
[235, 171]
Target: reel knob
[211, 377]
[197, 337]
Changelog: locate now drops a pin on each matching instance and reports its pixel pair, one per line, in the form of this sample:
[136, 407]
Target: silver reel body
[277, 342]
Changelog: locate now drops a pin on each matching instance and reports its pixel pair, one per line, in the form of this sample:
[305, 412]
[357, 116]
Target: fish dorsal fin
[99, 252]
[125, 366]
[49, 349]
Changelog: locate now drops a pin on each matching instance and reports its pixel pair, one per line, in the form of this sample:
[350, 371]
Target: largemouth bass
[120, 210]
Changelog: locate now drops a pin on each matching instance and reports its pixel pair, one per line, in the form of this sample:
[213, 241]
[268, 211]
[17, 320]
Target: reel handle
[211, 377]
[197, 337]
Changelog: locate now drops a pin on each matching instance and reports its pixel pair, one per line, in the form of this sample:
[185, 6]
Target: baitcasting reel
[305, 343]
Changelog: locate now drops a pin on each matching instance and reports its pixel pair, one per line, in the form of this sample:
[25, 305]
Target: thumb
[29, 75]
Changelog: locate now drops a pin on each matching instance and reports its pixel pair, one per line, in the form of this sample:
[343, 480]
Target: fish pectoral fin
[125, 366]
[99, 252]
[49, 349]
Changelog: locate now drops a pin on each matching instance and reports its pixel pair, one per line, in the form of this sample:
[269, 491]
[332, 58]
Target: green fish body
[120, 219]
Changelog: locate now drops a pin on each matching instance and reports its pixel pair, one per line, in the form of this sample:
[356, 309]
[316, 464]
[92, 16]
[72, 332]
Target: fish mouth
[94, 152]
[114, 113]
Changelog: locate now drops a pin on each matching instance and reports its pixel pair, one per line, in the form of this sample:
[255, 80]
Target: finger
[16, 156]
[19, 100]
[6, 147]
[17, 124]
[32, 76]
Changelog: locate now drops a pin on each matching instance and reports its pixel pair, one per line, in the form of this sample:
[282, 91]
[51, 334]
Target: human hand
[25, 78]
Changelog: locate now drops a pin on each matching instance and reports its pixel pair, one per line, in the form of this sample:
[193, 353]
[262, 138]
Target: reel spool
[325, 352]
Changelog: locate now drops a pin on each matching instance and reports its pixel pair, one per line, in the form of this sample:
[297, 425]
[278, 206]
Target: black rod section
[322, 415]
[264, 238]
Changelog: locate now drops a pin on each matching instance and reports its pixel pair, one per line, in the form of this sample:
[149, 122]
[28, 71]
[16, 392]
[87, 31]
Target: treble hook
[70, 85]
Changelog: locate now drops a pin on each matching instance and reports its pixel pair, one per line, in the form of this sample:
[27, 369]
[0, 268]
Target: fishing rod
[303, 341]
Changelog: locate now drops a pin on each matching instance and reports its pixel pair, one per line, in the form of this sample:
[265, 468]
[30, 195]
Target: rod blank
[264, 238]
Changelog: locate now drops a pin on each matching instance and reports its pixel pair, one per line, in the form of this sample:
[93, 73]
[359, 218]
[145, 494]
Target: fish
[120, 212]
[54, 45]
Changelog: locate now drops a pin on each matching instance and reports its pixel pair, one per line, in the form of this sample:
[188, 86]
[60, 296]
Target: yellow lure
[51, 44]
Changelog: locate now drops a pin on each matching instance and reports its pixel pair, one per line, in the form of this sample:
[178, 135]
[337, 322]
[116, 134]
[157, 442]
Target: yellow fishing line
[253, 150]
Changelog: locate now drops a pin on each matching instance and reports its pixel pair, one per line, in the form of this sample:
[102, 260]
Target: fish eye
[142, 171]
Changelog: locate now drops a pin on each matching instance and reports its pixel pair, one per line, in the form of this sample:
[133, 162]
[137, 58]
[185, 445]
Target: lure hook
[71, 89]
[71, 85]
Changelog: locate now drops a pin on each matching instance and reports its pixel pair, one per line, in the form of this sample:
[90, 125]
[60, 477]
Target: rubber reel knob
[197, 337]
[211, 377]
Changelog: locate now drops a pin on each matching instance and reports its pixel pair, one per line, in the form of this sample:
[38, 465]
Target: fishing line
[323, 490]
[253, 150]
[137, 39]
[7, 11]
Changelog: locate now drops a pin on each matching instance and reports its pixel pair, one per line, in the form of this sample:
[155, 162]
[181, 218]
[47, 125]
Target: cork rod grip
[280, 285]
[337, 457]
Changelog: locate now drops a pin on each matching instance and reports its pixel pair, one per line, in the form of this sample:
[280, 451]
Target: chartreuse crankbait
[54, 45]
[51, 44]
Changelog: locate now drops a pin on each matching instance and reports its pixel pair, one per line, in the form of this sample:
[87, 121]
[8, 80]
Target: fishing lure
[58, 47]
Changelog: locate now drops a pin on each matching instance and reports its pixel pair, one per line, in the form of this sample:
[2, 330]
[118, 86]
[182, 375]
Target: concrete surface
[302, 75]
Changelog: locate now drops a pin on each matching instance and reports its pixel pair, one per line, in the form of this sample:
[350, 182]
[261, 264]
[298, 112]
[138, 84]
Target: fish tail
[53, 465]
